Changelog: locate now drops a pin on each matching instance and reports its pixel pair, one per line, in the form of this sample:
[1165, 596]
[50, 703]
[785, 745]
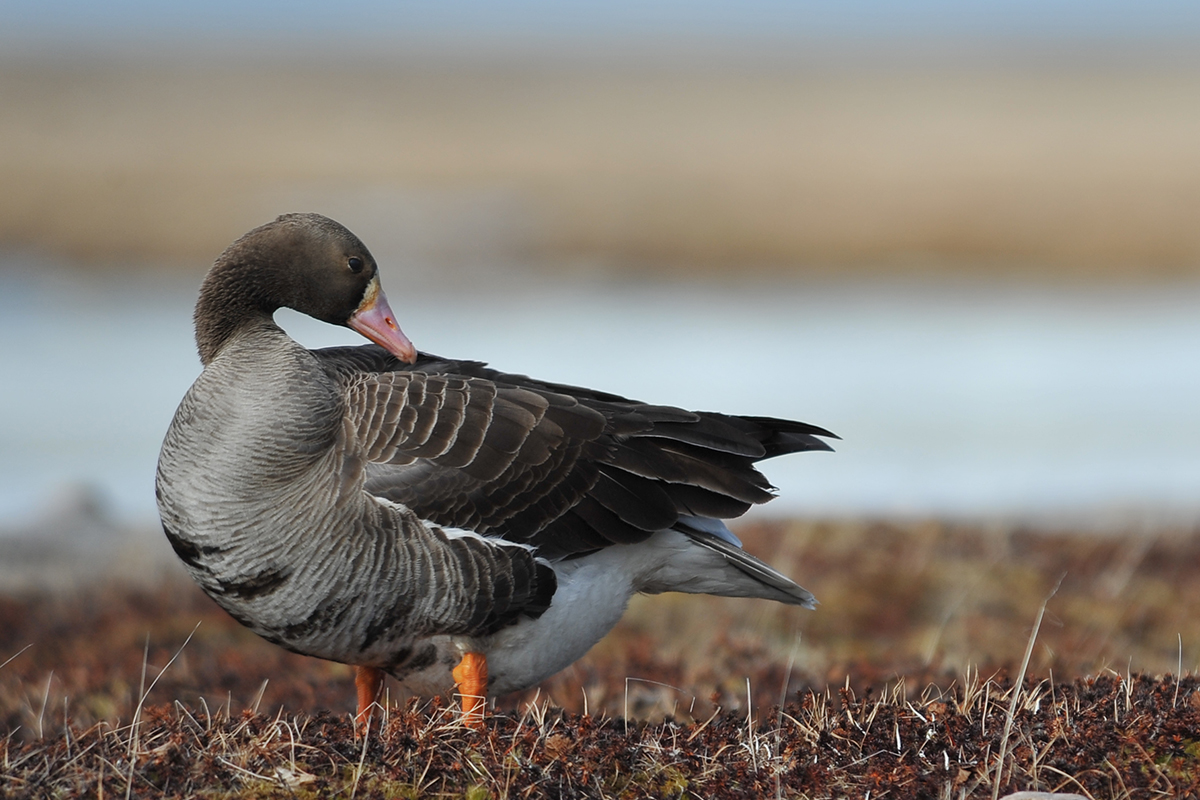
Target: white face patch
[369, 294]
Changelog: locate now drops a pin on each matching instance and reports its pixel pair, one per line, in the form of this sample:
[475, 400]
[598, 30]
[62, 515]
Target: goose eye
[355, 263]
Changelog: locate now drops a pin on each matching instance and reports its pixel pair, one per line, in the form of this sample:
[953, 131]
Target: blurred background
[963, 236]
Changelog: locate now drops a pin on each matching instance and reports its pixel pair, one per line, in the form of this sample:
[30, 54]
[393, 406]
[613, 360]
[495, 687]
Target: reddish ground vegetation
[882, 686]
[1105, 737]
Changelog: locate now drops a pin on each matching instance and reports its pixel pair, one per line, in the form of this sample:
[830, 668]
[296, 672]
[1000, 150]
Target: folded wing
[565, 469]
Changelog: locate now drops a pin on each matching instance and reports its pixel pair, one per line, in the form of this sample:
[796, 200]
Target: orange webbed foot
[369, 681]
[471, 678]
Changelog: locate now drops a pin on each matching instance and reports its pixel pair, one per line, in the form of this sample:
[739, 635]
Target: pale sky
[132, 20]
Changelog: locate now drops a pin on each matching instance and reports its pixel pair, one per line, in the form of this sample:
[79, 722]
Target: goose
[461, 529]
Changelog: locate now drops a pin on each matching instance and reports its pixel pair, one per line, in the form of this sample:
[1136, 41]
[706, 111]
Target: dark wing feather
[566, 469]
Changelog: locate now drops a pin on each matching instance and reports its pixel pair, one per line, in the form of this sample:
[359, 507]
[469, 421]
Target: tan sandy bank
[1089, 171]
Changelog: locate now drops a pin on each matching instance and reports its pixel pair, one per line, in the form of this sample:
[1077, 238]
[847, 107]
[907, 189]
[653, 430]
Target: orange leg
[369, 681]
[471, 676]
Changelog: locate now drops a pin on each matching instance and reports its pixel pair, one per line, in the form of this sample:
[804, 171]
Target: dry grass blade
[1016, 690]
[13, 657]
[1178, 672]
[143, 694]
[45, 699]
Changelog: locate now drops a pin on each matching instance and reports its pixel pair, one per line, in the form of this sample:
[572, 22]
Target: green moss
[672, 783]
[1182, 763]
[256, 790]
[657, 781]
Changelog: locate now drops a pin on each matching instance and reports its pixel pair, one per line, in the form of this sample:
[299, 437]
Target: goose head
[305, 262]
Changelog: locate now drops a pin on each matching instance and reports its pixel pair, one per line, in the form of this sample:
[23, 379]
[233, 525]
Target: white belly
[592, 594]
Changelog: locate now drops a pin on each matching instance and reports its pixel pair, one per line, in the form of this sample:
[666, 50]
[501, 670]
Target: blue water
[975, 401]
